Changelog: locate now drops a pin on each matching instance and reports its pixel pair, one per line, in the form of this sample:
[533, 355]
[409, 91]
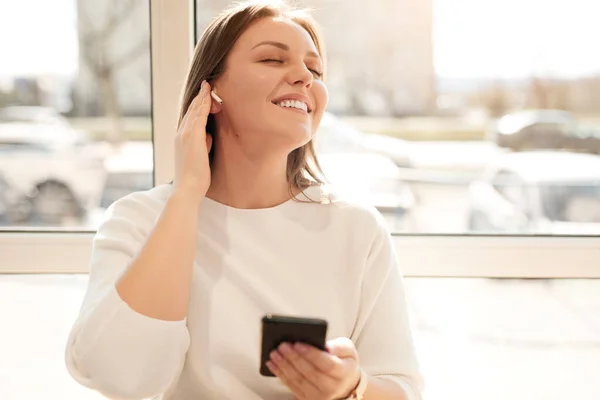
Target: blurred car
[55, 172]
[337, 136]
[544, 129]
[129, 170]
[372, 179]
[547, 192]
[334, 135]
[32, 114]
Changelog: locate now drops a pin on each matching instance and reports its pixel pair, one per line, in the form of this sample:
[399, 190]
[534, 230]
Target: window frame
[172, 43]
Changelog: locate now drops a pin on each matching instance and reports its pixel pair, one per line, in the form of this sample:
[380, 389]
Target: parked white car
[53, 171]
[539, 192]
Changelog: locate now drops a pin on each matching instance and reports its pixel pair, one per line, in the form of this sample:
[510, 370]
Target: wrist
[350, 394]
[358, 389]
[193, 196]
[186, 198]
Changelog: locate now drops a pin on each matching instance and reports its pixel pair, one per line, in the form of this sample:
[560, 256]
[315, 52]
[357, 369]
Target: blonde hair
[210, 55]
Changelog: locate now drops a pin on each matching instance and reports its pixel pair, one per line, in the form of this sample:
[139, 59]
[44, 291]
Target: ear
[216, 103]
[215, 107]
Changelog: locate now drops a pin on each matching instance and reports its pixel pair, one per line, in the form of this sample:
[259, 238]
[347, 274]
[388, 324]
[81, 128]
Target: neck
[248, 181]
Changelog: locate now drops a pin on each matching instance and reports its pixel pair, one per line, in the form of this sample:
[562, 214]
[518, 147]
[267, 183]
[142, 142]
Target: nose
[301, 75]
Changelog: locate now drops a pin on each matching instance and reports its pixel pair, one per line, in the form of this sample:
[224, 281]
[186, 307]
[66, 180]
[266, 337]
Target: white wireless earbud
[217, 98]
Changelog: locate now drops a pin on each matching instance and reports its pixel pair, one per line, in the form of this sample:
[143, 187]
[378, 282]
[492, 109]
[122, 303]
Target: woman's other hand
[312, 374]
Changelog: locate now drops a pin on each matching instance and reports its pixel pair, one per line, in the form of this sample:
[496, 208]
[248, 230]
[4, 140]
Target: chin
[301, 139]
[290, 144]
[293, 136]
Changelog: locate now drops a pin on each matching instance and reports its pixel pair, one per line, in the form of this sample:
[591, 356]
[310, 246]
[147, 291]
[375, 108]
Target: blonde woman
[182, 274]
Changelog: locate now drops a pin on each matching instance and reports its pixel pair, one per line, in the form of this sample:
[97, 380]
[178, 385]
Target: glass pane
[75, 126]
[476, 338]
[426, 103]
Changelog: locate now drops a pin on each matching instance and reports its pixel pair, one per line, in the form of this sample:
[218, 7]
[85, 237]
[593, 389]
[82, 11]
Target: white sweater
[334, 261]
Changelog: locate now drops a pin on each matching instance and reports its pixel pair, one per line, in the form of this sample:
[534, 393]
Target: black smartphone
[277, 329]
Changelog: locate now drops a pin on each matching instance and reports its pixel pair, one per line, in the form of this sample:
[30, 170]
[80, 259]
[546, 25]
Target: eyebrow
[283, 46]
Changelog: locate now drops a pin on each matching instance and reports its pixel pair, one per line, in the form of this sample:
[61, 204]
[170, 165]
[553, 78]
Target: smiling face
[271, 87]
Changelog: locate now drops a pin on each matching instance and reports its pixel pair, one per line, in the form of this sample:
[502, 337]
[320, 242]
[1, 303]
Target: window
[423, 127]
[448, 104]
[429, 107]
[75, 96]
[444, 107]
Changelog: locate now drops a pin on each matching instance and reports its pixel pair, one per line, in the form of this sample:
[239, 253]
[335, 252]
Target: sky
[472, 38]
[38, 37]
[512, 38]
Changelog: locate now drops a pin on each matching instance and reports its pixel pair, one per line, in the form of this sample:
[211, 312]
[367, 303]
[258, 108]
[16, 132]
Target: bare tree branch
[85, 25]
[98, 45]
[131, 55]
[117, 16]
[95, 42]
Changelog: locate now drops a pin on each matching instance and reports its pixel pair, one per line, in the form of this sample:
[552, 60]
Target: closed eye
[317, 73]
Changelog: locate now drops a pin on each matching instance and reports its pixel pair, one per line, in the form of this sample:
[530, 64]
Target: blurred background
[459, 117]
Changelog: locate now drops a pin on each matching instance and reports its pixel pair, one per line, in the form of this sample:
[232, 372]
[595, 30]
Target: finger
[322, 360]
[206, 101]
[202, 108]
[189, 112]
[341, 347]
[192, 110]
[323, 382]
[277, 370]
[290, 376]
[298, 394]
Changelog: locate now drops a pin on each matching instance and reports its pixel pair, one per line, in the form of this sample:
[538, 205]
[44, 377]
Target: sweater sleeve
[112, 348]
[383, 335]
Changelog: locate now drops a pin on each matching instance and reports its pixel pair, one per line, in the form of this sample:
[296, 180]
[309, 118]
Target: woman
[182, 274]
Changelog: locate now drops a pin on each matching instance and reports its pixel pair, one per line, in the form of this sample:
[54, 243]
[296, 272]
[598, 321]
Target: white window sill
[441, 256]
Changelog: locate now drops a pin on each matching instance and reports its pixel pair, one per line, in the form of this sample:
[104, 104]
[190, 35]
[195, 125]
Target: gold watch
[359, 391]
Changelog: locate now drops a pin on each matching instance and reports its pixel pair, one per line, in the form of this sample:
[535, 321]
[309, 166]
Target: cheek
[248, 88]
[257, 83]
[321, 94]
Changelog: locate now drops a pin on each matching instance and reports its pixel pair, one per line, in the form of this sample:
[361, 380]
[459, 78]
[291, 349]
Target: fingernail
[285, 347]
[202, 85]
[301, 347]
[275, 356]
[271, 366]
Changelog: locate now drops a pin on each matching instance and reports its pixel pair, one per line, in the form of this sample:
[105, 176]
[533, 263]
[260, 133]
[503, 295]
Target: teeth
[293, 104]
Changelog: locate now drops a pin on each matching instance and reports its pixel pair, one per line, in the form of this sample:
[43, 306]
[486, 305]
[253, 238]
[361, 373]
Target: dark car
[544, 129]
[547, 192]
